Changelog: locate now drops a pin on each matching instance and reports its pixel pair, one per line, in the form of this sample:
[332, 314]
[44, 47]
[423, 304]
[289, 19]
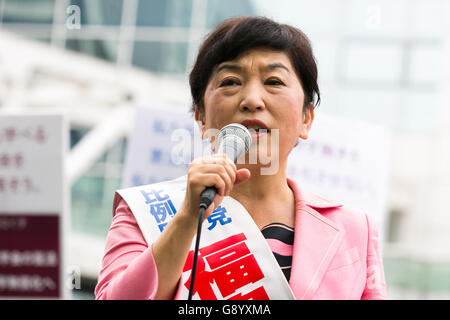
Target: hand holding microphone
[213, 177]
[234, 140]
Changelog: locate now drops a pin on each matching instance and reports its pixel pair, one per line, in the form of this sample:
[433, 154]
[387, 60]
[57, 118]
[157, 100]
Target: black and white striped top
[280, 238]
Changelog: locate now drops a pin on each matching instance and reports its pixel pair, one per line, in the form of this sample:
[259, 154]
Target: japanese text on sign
[29, 258]
[161, 206]
[25, 283]
[11, 134]
[218, 216]
[227, 269]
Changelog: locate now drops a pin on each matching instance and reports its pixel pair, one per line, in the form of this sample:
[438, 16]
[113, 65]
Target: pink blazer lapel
[316, 241]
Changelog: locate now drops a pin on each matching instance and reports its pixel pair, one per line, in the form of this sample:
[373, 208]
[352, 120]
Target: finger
[213, 179]
[229, 165]
[231, 172]
[224, 171]
[242, 175]
[219, 159]
[212, 164]
[214, 158]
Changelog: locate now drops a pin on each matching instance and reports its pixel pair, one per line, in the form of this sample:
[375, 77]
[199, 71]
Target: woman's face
[260, 84]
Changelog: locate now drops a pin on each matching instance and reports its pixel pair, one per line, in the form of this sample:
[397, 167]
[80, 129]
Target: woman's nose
[252, 99]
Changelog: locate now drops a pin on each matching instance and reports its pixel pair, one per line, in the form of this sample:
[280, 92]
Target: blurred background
[381, 62]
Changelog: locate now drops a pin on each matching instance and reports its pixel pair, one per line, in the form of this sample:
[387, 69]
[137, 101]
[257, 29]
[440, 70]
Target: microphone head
[236, 129]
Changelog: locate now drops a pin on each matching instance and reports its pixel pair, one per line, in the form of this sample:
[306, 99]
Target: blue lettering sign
[161, 206]
[218, 215]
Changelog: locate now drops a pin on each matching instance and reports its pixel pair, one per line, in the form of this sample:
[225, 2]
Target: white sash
[235, 261]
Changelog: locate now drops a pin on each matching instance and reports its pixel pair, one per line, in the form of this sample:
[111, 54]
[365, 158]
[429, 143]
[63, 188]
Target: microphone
[234, 140]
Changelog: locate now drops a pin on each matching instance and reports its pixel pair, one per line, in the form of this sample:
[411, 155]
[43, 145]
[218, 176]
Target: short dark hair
[238, 35]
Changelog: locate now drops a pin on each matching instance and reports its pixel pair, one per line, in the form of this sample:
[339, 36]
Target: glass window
[424, 64]
[303, 14]
[164, 13]
[45, 40]
[219, 10]
[106, 50]
[370, 105]
[163, 57]
[99, 12]
[418, 112]
[427, 18]
[27, 11]
[76, 134]
[29, 30]
[93, 193]
[374, 63]
[376, 18]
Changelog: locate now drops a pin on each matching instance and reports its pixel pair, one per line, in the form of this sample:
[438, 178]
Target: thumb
[242, 175]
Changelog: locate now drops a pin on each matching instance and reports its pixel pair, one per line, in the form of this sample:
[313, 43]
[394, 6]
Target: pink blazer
[335, 254]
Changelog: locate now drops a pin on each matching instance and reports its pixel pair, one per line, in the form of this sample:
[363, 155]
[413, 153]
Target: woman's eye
[228, 82]
[274, 82]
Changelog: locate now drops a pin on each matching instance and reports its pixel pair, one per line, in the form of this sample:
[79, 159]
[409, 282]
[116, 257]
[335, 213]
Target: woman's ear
[200, 119]
[307, 120]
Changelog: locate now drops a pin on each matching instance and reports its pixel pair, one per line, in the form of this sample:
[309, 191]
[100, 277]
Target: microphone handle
[207, 197]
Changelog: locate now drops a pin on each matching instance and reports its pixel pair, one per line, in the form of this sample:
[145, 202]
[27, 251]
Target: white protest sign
[161, 146]
[33, 205]
[346, 161]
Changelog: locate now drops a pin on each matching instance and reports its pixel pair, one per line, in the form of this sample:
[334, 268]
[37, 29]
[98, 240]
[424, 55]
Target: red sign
[30, 258]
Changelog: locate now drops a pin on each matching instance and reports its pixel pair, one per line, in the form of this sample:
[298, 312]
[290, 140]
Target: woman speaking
[263, 236]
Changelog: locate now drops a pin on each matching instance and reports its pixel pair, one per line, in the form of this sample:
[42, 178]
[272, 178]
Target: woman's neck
[267, 198]
[263, 188]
